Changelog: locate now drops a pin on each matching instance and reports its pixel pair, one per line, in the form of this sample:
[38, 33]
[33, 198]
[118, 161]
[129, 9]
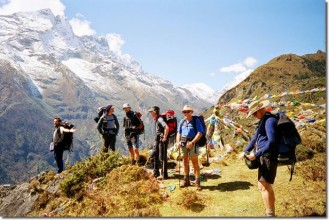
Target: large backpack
[140, 129]
[170, 119]
[101, 111]
[203, 140]
[288, 139]
[67, 142]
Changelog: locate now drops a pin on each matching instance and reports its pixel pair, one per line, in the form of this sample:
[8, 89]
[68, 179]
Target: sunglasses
[185, 112]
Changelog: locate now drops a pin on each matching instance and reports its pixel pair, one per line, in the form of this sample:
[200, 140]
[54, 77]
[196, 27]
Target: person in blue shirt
[186, 139]
[264, 147]
[108, 126]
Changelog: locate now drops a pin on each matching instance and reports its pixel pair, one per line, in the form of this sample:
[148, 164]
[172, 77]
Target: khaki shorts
[190, 152]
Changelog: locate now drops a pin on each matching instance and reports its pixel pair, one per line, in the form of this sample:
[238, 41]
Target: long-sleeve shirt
[264, 139]
[112, 126]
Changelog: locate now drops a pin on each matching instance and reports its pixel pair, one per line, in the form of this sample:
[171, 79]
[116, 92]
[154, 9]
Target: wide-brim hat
[187, 108]
[257, 105]
[126, 105]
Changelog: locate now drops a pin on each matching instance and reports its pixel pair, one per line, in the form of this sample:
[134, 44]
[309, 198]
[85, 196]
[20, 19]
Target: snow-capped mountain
[46, 71]
[238, 79]
[202, 91]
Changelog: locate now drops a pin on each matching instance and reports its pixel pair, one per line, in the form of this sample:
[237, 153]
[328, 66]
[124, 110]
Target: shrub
[190, 199]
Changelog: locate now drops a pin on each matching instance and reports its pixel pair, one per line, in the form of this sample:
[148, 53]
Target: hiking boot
[197, 184]
[160, 177]
[185, 183]
[133, 162]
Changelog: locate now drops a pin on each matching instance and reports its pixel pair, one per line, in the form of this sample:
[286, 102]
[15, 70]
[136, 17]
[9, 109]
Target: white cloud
[236, 68]
[239, 67]
[81, 26]
[115, 43]
[12, 6]
[250, 62]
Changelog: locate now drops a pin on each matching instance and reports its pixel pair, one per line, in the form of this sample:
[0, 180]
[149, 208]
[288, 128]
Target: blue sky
[210, 41]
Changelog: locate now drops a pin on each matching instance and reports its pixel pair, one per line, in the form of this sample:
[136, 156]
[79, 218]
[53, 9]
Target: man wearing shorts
[187, 137]
[130, 124]
[263, 147]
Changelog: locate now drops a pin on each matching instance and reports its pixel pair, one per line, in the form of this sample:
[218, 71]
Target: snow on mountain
[201, 91]
[238, 79]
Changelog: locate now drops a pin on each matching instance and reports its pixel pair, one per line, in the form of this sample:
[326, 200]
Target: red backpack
[170, 119]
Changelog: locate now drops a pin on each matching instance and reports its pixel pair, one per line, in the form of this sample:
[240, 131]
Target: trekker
[57, 140]
[108, 126]
[186, 139]
[263, 147]
[161, 144]
[130, 123]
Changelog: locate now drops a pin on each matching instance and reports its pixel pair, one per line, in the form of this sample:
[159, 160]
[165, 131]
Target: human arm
[99, 125]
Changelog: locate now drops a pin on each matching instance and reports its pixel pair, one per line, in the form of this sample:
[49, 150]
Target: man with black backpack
[133, 127]
[108, 126]
[58, 137]
[263, 148]
[161, 143]
[189, 132]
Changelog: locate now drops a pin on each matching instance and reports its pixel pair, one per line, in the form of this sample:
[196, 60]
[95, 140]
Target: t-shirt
[58, 136]
[159, 126]
[186, 129]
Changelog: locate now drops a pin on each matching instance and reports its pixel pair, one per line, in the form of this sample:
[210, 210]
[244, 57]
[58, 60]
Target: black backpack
[67, 142]
[101, 111]
[203, 140]
[288, 139]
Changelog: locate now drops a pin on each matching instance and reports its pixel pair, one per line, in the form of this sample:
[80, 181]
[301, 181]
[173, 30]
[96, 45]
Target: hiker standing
[161, 144]
[108, 126]
[187, 137]
[58, 136]
[130, 124]
[263, 147]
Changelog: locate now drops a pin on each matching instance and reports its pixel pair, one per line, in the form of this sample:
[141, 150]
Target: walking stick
[178, 167]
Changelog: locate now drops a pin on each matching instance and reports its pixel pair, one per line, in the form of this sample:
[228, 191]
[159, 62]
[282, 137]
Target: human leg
[266, 176]
[58, 155]
[268, 197]
[112, 141]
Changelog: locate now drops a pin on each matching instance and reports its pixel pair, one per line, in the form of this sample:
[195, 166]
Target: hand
[241, 156]
[189, 145]
[72, 130]
[251, 156]
[164, 139]
[177, 145]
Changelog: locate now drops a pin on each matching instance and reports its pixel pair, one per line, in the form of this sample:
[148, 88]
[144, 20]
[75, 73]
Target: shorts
[267, 169]
[190, 152]
[132, 140]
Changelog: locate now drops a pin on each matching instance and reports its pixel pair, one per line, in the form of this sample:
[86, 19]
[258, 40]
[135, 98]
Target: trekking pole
[178, 167]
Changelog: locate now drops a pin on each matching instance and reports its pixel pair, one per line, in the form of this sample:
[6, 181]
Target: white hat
[187, 108]
[126, 105]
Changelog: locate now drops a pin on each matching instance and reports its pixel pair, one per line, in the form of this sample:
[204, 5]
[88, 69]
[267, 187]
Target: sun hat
[187, 108]
[126, 105]
[154, 109]
[257, 105]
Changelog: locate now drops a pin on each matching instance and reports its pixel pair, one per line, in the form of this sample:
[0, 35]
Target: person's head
[126, 107]
[155, 110]
[257, 108]
[109, 109]
[187, 111]
[57, 121]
